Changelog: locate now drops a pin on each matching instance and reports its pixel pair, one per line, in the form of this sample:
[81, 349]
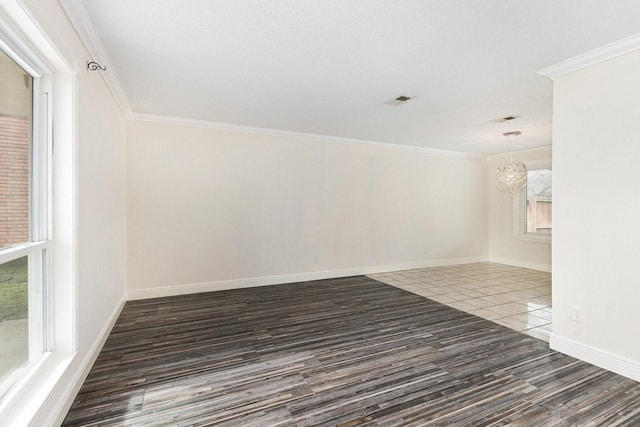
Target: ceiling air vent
[506, 119]
[399, 100]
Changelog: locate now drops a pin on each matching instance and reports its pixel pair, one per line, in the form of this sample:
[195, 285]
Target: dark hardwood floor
[340, 352]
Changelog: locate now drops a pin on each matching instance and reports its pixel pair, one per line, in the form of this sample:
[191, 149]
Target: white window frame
[38, 246]
[29, 400]
[520, 209]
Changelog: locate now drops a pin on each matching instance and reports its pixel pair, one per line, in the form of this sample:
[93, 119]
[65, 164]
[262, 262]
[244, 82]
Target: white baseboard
[54, 410]
[164, 291]
[595, 356]
[523, 264]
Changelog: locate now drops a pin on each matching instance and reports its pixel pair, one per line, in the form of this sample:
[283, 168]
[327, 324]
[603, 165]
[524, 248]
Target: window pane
[15, 135]
[21, 279]
[14, 314]
[539, 194]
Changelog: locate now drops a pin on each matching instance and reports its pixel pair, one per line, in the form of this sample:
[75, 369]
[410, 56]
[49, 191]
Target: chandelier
[512, 176]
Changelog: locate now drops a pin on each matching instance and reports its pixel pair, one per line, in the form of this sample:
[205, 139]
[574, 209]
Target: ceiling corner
[79, 17]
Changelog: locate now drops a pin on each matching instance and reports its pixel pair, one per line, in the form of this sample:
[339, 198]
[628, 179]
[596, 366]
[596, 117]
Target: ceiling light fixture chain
[512, 176]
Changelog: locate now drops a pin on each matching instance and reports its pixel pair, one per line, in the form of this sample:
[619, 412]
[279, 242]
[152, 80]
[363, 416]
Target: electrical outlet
[577, 313]
[316, 259]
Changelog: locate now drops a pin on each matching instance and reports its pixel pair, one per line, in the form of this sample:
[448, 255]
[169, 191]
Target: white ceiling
[328, 66]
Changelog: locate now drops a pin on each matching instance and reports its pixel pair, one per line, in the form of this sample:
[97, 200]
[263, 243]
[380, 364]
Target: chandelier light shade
[511, 176]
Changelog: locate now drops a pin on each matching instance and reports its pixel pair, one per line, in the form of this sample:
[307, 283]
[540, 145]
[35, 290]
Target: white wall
[596, 210]
[504, 246]
[208, 206]
[101, 208]
[90, 170]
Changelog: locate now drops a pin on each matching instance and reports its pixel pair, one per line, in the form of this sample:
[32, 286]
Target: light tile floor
[515, 297]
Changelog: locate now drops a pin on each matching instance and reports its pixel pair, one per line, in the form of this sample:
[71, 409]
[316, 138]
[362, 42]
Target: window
[538, 202]
[30, 385]
[24, 219]
[532, 208]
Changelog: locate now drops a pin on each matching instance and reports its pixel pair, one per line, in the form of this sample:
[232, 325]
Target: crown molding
[533, 150]
[79, 17]
[595, 56]
[179, 121]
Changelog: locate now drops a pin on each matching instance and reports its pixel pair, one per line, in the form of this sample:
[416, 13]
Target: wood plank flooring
[340, 352]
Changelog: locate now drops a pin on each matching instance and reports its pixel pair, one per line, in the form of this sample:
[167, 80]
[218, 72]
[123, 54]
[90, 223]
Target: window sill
[25, 402]
[530, 237]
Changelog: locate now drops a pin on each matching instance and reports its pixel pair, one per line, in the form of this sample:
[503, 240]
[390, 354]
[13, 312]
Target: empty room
[319, 213]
